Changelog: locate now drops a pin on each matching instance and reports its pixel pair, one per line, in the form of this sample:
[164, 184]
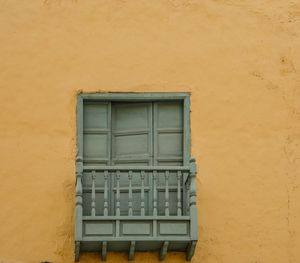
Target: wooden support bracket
[104, 250]
[131, 250]
[163, 250]
[190, 250]
[77, 250]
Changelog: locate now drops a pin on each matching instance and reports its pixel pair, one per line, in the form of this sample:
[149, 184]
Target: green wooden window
[134, 163]
[133, 133]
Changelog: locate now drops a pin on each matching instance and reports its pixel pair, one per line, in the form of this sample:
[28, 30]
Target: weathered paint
[240, 61]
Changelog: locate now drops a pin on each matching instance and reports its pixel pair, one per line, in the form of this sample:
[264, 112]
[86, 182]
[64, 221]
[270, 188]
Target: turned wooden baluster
[179, 211]
[142, 193]
[105, 212]
[118, 194]
[93, 212]
[154, 193]
[130, 194]
[193, 208]
[78, 209]
[188, 182]
[167, 212]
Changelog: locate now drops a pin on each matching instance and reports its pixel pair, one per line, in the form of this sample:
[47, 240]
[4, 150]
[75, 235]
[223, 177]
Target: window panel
[170, 144]
[131, 144]
[95, 116]
[130, 116]
[170, 115]
[95, 145]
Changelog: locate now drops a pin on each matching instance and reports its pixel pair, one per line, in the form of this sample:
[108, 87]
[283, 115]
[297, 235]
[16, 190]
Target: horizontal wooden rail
[135, 168]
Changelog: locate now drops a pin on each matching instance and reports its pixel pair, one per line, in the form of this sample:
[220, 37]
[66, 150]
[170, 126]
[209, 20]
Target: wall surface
[239, 59]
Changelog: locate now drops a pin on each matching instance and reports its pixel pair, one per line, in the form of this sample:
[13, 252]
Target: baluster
[143, 193]
[188, 182]
[105, 212]
[154, 193]
[78, 210]
[179, 212]
[193, 208]
[130, 194]
[167, 194]
[118, 194]
[93, 212]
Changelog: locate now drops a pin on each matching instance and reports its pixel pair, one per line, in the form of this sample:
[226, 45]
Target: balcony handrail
[135, 168]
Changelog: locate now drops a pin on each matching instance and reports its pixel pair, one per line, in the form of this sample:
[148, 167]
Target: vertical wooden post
[93, 205]
[187, 196]
[105, 212]
[154, 193]
[130, 194]
[179, 211]
[118, 204]
[154, 204]
[142, 193]
[79, 174]
[118, 194]
[78, 209]
[167, 211]
[193, 208]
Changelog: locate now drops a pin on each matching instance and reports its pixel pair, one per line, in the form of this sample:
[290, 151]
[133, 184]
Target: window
[134, 168]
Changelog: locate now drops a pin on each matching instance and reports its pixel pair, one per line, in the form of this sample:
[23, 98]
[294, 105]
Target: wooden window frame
[138, 97]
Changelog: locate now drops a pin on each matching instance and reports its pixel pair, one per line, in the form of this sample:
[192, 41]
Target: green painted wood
[137, 218]
[155, 239]
[179, 203]
[190, 250]
[131, 129]
[136, 168]
[153, 96]
[93, 203]
[104, 251]
[131, 250]
[168, 131]
[142, 193]
[173, 228]
[79, 172]
[96, 130]
[77, 251]
[193, 208]
[98, 228]
[163, 250]
[105, 211]
[144, 139]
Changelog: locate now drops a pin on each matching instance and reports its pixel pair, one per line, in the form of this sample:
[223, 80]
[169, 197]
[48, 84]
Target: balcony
[135, 208]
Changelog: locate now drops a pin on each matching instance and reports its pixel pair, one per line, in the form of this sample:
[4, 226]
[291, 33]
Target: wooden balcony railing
[144, 223]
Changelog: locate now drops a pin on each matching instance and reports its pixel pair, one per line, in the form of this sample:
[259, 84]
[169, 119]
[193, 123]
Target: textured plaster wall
[239, 59]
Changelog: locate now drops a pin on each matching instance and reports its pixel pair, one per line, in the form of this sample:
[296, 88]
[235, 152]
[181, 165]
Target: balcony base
[132, 246]
[135, 233]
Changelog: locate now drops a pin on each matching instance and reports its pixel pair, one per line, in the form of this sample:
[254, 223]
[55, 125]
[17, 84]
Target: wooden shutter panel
[132, 133]
[96, 132]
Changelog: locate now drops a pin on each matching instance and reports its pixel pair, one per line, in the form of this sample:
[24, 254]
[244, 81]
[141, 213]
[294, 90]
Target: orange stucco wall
[239, 59]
